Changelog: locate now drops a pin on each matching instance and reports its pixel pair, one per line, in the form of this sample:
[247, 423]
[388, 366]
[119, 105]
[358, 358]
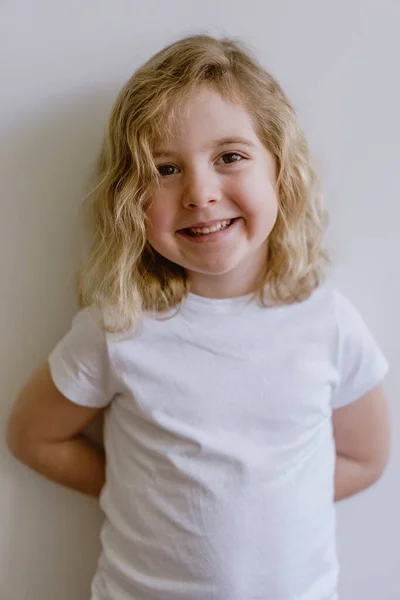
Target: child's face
[218, 178]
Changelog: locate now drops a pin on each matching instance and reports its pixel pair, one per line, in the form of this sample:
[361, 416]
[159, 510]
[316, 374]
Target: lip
[210, 238]
[202, 224]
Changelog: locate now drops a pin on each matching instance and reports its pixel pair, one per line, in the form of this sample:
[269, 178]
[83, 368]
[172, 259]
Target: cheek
[160, 228]
[257, 199]
[158, 217]
[154, 229]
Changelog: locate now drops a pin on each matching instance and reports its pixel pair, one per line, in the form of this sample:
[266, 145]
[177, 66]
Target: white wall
[62, 64]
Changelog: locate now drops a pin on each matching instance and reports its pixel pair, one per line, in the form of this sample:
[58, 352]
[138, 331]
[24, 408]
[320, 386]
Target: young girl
[242, 393]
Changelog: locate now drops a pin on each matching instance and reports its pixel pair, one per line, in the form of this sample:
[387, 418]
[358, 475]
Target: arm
[44, 432]
[361, 432]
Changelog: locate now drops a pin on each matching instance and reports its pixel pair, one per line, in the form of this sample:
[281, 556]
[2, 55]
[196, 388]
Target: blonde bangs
[122, 274]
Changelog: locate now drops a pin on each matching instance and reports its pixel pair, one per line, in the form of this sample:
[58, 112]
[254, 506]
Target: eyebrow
[214, 144]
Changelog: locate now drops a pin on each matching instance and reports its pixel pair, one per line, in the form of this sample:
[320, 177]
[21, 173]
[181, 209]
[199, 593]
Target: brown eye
[166, 170]
[231, 157]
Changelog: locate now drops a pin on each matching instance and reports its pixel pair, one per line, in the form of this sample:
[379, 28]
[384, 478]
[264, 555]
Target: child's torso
[221, 458]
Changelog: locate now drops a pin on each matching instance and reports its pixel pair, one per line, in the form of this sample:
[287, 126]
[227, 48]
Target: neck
[239, 282]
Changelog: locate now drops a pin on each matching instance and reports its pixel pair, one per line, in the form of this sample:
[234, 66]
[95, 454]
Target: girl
[242, 394]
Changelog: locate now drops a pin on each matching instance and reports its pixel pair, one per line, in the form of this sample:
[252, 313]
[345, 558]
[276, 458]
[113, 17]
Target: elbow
[14, 442]
[375, 469]
[18, 441]
[379, 468]
[377, 462]
[382, 459]
[11, 437]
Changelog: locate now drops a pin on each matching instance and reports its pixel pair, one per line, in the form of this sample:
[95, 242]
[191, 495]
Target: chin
[212, 270]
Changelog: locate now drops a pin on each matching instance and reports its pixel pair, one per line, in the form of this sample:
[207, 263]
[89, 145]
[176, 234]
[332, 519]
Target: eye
[166, 170]
[231, 157]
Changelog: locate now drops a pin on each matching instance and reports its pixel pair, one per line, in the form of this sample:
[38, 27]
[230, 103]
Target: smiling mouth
[199, 231]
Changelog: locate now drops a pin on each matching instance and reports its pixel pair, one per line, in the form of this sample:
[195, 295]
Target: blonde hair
[122, 273]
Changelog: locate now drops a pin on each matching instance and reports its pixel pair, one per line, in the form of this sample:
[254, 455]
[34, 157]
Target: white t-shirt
[220, 454]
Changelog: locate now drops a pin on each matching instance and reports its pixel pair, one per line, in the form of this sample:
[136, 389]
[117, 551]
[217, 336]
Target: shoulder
[319, 308]
[89, 317]
[79, 363]
[87, 327]
[347, 317]
[328, 302]
[85, 337]
[329, 315]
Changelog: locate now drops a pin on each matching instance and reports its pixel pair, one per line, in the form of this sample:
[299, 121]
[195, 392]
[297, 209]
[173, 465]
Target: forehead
[203, 114]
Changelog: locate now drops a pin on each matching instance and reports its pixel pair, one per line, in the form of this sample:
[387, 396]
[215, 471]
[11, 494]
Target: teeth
[212, 229]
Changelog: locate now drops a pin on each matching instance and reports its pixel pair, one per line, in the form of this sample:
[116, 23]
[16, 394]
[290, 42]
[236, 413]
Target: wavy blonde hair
[122, 273]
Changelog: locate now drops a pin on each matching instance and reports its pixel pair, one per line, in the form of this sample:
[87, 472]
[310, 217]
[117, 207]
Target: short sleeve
[79, 363]
[361, 363]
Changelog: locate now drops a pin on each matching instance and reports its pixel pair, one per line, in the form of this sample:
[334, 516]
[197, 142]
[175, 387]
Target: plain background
[62, 64]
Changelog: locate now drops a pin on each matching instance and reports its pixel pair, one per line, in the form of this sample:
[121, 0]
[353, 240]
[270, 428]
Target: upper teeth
[212, 228]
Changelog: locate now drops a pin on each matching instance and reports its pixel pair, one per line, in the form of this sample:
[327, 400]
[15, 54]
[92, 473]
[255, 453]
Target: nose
[200, 189]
